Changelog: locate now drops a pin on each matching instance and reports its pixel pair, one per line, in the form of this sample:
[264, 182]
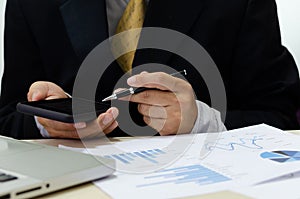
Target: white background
[289, 16]
[2, 6]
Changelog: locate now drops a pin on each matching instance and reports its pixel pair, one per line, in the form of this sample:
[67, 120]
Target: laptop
[30, 169]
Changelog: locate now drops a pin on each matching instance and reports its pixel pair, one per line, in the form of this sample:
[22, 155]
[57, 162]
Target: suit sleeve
[22, 67]
[264, 87]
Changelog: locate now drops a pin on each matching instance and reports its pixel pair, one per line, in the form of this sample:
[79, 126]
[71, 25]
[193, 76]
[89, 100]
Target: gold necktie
[133, 17]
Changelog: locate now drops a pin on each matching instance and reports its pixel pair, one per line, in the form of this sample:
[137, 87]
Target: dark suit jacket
[48, 40]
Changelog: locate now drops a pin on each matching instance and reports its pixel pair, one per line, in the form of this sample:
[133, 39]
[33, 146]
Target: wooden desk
[89, 190]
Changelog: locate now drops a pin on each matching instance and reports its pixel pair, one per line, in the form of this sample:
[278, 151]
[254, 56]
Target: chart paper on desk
[238, 158]
[279, 189]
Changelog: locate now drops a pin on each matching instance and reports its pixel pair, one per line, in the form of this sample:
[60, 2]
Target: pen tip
[104, 100]
[109, 98]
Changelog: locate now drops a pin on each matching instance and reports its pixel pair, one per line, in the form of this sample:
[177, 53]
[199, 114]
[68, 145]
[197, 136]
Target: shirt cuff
[43, 131]
[208, 120]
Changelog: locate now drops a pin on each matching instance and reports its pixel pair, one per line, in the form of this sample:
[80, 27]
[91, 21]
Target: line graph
[250, 143]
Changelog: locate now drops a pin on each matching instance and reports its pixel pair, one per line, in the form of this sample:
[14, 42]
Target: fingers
[165, 120]
[157, 80]
[157, 112]
[109, 129]
[44, 90]
[171, 109]
[60, 126]
[57, 129]
[119, 90]
[153, 97]
[163, 126]
[105, 123]
[106, 120]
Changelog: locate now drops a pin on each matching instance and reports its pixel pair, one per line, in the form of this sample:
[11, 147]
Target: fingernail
[80, 125]
[119, 90]
[115, 113]
[34, 96]
[106, 120]
[131, 80]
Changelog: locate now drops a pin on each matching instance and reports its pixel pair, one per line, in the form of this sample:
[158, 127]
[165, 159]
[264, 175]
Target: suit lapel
[86, 24]
[172, 14]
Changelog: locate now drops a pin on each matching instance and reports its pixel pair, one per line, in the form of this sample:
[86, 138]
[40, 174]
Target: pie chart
[282, 156]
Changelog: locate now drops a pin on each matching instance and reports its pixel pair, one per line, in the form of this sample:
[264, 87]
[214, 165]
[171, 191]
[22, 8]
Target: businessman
[48, 40]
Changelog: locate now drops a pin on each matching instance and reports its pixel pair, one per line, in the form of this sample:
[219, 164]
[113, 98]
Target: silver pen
[131, 91]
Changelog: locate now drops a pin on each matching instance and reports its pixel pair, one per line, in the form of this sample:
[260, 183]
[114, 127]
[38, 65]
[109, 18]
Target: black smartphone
[61, 109]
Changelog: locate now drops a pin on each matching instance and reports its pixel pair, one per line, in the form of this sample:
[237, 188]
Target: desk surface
[89, 190]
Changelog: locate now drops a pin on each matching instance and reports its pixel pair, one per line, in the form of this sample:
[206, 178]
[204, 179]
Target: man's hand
[105, 123]
[170, 110]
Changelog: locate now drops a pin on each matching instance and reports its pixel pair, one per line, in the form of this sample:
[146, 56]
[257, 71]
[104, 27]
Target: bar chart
[131, 158]
[197, 174]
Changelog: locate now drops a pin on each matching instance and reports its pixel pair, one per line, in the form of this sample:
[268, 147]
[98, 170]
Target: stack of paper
[186, 165]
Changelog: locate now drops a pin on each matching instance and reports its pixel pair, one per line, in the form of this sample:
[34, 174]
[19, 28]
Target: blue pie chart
[282, 156]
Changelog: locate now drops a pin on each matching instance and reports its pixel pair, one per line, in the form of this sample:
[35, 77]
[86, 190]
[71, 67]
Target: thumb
[37, 91]
[35, 96]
